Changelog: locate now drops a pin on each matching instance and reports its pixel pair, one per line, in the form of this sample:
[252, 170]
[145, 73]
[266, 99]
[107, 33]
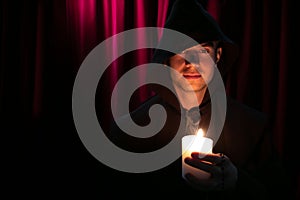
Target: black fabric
[245, 138]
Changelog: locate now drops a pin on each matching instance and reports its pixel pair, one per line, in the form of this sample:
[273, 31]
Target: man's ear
[218, 54]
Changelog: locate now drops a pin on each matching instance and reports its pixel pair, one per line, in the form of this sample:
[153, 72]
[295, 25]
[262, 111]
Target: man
[243, 164]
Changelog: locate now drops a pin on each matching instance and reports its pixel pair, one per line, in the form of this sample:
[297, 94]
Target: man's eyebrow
[205, 44]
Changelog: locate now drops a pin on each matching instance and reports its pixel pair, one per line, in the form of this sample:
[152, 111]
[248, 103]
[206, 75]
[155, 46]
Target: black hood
[190, 18]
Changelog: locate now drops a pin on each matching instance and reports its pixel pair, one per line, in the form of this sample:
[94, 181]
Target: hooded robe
[245, 137]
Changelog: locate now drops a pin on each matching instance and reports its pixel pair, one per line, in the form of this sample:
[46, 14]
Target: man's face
[195, 66]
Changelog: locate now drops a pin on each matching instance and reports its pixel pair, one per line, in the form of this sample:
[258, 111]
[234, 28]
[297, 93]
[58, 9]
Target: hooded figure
[243, 161]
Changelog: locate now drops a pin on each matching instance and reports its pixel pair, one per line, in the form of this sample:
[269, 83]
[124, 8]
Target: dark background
[43, 44]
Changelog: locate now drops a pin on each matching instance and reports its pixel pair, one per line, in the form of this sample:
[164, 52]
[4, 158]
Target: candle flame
[200, 133]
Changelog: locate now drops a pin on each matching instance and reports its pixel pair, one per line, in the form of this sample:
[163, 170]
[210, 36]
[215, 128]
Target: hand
[224, 174]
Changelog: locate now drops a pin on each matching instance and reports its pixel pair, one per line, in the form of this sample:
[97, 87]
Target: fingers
[214, 159]
[203, 165]
[212, 163]
[223, 171]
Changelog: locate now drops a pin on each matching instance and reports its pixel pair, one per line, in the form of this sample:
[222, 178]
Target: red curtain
[43, 44]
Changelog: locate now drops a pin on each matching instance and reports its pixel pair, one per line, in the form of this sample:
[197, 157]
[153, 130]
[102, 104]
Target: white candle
[195, 143]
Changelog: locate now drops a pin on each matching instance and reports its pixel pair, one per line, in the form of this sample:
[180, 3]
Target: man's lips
[192, 76]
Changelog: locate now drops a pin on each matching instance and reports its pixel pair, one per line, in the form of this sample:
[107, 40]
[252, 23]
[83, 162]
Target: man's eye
[201, 51]
[204, 51]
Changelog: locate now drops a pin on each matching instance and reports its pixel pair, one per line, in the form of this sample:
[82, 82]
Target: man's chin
[188, 89]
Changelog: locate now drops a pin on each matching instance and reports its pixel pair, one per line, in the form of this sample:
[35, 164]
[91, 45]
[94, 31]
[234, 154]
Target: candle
[195, 143]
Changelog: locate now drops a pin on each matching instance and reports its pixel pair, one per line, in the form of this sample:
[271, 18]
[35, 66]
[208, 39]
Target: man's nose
[191, 58]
